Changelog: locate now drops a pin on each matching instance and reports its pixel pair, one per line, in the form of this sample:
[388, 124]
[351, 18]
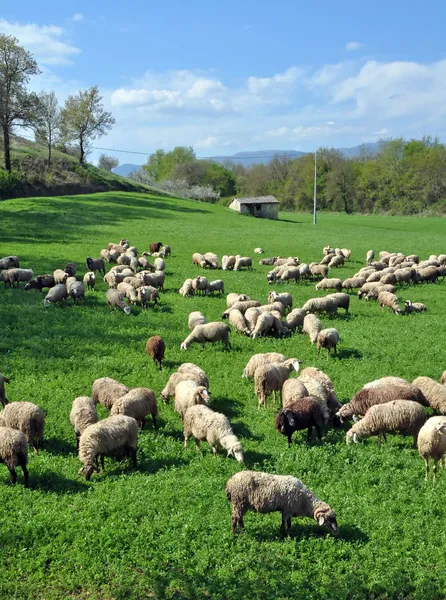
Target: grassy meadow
[163, 531]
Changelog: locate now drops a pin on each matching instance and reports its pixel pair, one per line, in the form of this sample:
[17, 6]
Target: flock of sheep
[308, 401]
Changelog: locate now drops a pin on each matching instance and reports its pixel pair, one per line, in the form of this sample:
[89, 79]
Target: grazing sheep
[83, 413]
[274, 307]
[115, 299]
[200, 284]
[237, 320]
[105, 437]
[352, 283]
[155, 247]
[268, 261]
[199, 260]
[346, 253]
[386, 299]
[377, 289]
[188, 393]
[336, 261]
[269, 378]
[327, 259]
[155, 348]
[9, 262]
[242, 262]
[285, 298]
[95, 264]
[290, 273]
[146, 294]
[196, 318]
[134, 282]
[89, 280]
[258, 250]
[144, 263]
[365, 398]
[106, 391]
[242, 306]
[312, 326]
[56, 294]
[251, 316]
[228, 263]
[266, 493]
[325, 304]
[383, 381]
[292, 391]
[27, 418]
[16, 275]
[211, 259]
[327, 250]
[329, 284]
[388, 279]
[187, 288]
[128, 291]
[159, 264]
[261, 359]
[211, 332]
[434, 392]
[370, 256]
[187, 371]
[137, 403]
[216, 286]
[323, 379]
[155, 279]
[41, 282]
[342, 299]
[402, 276]
[396, 416]
[204, 424]
[431, 443]
[14, 452]
[410, 307]
[107, 256]
[295, 319]
[3, 399]
[117, 247]
[328, 339]
[60, 276]
[304, 414]
[264, 324]
[232, 298]
[167, 250]
[428, 274]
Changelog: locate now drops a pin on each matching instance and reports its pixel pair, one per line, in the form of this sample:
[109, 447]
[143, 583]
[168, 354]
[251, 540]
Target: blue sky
[247, 75]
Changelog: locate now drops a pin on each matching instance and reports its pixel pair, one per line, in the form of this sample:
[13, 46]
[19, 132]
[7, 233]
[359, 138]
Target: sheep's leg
[434, 468]
[197, 445]
[13, 475]
[274, 396]
[143, 422]
[309, 433]
[102, 462]
[384, 436]
[289, 439]
[133, 457]
[155, 424]
[318, 429]
[426, 469]
[214, 450]
[379, 439]
[77, 442]
[288, 525]
[185, 440]
[442, 461]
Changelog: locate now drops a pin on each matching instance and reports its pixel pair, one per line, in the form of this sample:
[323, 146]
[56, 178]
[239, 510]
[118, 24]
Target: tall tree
[17, 105]
[48, 121]
[84, 119]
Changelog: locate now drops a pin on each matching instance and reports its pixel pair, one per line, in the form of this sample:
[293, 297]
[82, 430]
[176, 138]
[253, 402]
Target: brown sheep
[155, 247]
[156, 348]
[304, 414]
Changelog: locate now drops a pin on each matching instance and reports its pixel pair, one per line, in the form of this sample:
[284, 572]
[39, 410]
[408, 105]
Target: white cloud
[353, 45]
[384, 131]
[330, 123]
[78, 17]
[208, 142]
[45, 42]
[258, 85]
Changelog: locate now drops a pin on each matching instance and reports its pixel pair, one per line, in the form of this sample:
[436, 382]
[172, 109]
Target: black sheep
[304, 414]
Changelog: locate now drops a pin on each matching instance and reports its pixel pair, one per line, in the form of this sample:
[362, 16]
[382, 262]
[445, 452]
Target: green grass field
[163, 531]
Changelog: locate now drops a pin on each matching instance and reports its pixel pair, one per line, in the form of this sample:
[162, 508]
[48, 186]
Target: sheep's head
[87, 471]
[202, 395]
[352, 436]
[236, 451]
[326, 517]
[126, 309]
[183, 346]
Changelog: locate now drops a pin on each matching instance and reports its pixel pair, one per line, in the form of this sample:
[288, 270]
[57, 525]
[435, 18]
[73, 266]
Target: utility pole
[315, 186]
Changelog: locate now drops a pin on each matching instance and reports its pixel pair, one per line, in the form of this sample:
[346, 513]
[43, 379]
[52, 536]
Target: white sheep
[285, 298]
[329, 284]
[211, 259]
[261, 359]
[195, 318]
[264, 324]
[228, 262]
[242, 262]
[137, 403]
[210, 332]
[237, 320]
[269, 378]
[188, 393]
[328, 339]
[232, 298]
[14, 452]
[83, 413]
[204, 424]
[106, 391]
[27, 418]
[311, 326]
[217, 286]
[89, 280]
[295, 319]
[187, 371]
[258, 250]
[431, 442]
[200, 284]
[187, 288]
[115, 299]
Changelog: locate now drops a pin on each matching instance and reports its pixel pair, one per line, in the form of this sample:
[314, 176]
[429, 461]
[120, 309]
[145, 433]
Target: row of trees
[79, 121]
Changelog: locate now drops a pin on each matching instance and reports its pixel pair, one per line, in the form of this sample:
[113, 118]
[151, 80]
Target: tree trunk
[7, 148]
[49, 154]
[82, 153]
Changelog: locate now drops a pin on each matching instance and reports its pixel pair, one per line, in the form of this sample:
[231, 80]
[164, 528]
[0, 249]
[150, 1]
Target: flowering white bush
[178, 187]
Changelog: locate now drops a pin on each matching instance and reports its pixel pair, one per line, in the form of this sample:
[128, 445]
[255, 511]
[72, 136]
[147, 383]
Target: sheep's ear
[321, 521]
[231, 452]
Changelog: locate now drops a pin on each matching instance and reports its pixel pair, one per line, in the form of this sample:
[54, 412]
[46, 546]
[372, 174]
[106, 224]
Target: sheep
[429, 274]
[290, 273]
[336, 261]
[242, 306]
[105, 437]
[115, 299]
[242, 262]
[9, 262]
[346, 253]
[228, 262]
[410, 307]
[41, 282]
[27, 418]
[210, 332]
[159, 264]
[128, 291]
[137, 403]
[144, 263]
[75, 290]
[188, 393]
[166, 250]
[211, 259]
[386, 299]
[95, 264]
[329, 284]
[434, 392]
[83, 413]
[237, 320]
[196, 318]
[251, 316]
[292, 391]
[155, 247]
[264, 324]
[397, 415]
[368, 397]
[274, 307]
[89, 280]
[323, 379]
[261, 359]
[269, 378]
[199, 260]
[156, 348]
[383, 381]
[118, 248]
[325, 304]
[216, 286]
[370, 256]
[404, 275]
[107, 256]
[312, 326]
[327, 250]
[328, 339]
[155, 279]
[200, 284]
[186, 289]
[3, 379]
[377, 289]
[342, 299]
[146, 294]
[56, 294]
[304, 414]
[268, 261]
[327, 259]
[428, 263]
[14, 452]
[352, 283]
[285, 298]
[106, 391]
[112, 278]
[204, 424]
[259, 250]
[389, 279]
[266, 493]
[443, 378]
[132, 251]
[431, 443]
[16, 275]
[295, 319]
[232, 298]
[193, 373]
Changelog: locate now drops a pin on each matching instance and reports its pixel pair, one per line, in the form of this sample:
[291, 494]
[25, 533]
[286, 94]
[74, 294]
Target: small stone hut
[264, 207]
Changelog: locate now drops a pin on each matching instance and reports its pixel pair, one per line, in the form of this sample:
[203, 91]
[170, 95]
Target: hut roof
[257, 200]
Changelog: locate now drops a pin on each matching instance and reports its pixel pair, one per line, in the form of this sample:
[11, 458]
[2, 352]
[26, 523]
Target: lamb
[368, 397]
[14, 452]
[188, 393]
[95, 264]
[242, 306]
[155, 247]
[386, 299]
[40, 282]
[3, 399]
[265, 322]
[167, 250]
[204, 424]
[137, 403]
[89, 280]
[410, 307]
[187, 288]
[56, 294]
[329, 284]
[115, 299]
[265, 493]
[156, 348]
[328, 339]
[211, 332]
[352, 283]
[199, 260]
[269, 378]
[216, 286]
[304, 414]
[261, 359]
[146, 294]
[285, 298]
[83, 413]
[242, 262]
[211, 259]
[431, 443]
[128, 291]
[228, 262]
[200, 284]
[232, 298]
[237, 320]
[159, 264]
[105, 437]
[196, 318]
[434, 392]
[193, 373]
[27, 418]
[370, 256]
[295, 319]
[9, 262]
[292, 391]
[312, 326]
[395, 416]
[106, 391]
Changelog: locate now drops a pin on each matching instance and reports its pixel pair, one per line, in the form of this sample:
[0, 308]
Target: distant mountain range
[249, 158]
